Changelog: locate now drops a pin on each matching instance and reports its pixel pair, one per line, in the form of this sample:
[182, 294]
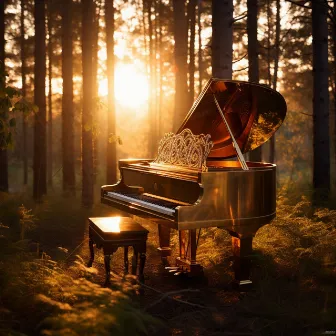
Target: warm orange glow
[131, 86]
[110, 224]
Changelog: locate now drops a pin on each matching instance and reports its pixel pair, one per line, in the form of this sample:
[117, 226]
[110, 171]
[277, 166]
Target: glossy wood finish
[226, 197]
[126, 233]
[253, 111]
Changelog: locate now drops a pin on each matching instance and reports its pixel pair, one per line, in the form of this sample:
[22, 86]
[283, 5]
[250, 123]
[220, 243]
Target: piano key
[135, 199]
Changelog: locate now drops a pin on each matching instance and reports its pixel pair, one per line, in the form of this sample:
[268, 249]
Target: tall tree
[40, 144]
[111, 171]
[334, 91]
[152, 88]
[252, 51]
[222, 38]
[276, 67]
[192, 29]
[200, 59]
[50, 107]
[24, 89]
[87, 152]
[3, 150]
[160, 47]
[95, 60]
[321, 160]
[68, 141]
[181, 65]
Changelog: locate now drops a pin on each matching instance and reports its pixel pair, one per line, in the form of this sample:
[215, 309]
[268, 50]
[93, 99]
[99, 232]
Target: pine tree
[252, 49]
[181, 58]
[68, 151]
[40, 136]
[111, 155]
[87, 151]
[321, 161]
[3, 150]
[222, 38]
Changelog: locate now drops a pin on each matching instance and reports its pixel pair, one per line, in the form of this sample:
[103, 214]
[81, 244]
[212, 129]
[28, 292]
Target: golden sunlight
[131, 86]
[109, 224]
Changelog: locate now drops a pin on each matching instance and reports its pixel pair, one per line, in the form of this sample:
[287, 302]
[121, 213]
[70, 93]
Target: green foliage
[63, 304]
[11, 103]
[53, 298]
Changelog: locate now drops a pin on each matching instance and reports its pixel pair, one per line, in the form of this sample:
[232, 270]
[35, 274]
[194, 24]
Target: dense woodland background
[84, 83]
[69, 57]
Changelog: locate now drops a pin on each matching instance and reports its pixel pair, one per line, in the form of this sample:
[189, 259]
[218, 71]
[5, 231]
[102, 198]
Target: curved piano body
[225, 197]
[192, 185]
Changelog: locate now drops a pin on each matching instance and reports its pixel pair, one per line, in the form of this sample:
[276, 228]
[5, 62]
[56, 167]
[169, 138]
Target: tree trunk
[269, 36]
[24, 89]
[40, 139]
[276, 67]
[321, 160]
[152, 89]
[111, 155]
[50, 121]
[222, 38]
[252, 50]
[160, 71]
[68, 140]
[192, 26]
[200, 58]
[87, 152]
[334, 93]
[181, 66]
[95, 88]
[3, 151]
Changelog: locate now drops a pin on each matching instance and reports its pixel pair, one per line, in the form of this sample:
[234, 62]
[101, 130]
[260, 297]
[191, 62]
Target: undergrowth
[293, 271]
[40, 296]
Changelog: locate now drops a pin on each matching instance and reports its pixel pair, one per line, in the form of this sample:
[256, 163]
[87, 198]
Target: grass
[41, 296]
[46, 288]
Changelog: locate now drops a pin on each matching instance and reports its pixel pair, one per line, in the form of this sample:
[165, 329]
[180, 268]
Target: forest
[87, 83]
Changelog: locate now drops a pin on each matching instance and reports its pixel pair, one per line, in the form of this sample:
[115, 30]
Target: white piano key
[151, 206]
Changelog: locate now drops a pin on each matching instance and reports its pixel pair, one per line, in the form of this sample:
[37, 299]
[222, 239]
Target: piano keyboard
[149, 202]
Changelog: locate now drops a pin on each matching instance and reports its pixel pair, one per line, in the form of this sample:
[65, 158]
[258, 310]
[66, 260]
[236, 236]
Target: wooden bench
[110, 233]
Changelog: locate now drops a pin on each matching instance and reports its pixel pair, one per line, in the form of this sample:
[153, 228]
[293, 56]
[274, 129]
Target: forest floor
[293, 271]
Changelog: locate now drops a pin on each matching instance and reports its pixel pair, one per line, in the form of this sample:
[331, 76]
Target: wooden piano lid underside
[254, 112]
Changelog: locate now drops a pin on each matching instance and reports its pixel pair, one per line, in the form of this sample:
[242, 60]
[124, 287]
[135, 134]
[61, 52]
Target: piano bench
[110, 233]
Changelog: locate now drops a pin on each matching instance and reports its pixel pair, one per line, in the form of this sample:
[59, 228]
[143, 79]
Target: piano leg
[242, 250]
[164, 243]
[182, 243]
[187, 260]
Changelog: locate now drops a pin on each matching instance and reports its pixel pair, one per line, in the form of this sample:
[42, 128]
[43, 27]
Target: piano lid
[253, 111]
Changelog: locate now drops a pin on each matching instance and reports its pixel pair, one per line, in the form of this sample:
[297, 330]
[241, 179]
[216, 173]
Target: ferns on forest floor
[42, 296]
[294, 268]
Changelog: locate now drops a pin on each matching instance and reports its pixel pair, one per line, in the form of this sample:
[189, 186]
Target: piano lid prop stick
[234, 142]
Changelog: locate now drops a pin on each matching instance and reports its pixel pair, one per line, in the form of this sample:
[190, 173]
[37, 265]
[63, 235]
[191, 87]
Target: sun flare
[130, 88]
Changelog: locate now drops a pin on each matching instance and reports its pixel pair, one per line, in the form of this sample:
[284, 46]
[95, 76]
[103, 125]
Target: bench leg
[135, 261]
[107, 260]
[126, 259]
[89, 264]
[142, 266]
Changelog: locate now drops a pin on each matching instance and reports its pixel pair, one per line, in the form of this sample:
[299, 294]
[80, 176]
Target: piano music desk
[110, 233]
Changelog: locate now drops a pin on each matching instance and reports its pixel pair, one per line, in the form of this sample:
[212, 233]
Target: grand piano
[200, 178]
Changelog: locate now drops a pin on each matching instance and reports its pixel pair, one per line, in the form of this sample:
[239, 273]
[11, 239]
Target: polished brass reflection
[253, 111]
[234, 199]
[187, 189]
